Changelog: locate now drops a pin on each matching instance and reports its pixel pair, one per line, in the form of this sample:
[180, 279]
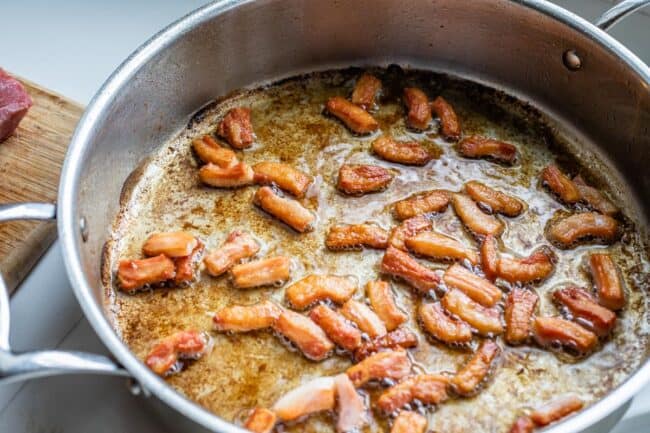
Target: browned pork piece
[607, 280]
[560, 185]
[422, 203]
[556, 410]
[523, 424]
[365, 91]
[354, 117]
[495, 201]
[305, 334]
[486, 321]
[467, 380]
[365, 319]
[351, 407]
[409, 422]
[138, 274]
[399, 264]
[186, 267]
[244, 318]
[238, 245]
[236, 175]
[585, 310]
[283, 175]
[400, 338]
[554, 330]
[428, 389]
[419, 110]
[520, 306]
[536, 267]
[392, 365]
[171, 244]
[266, 272]
[477, 288]
[437, 246]
[209, 151]
[383, 303]
[356, 236]
[260, 420]
[339, 329]
[490, 257]
[443, 327]
[475, 220]
[566, 232]
[407, 229]
[164, 357]
[482, 147]
[289, 211]
[314, 396]
[594, 198]
[449, 123]
[359, 179]
[314, 288]
[236, 128]
[401, 152]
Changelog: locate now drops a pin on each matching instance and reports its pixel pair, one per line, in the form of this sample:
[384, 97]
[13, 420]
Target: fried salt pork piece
[443, 327]
[136, 274]
[428, 389]
[536, 267]
[314, 396]
[477, 288]
[260, 420]
[383, 303]
[392, 365]
[422, 203]
[399, 264]
[359, 179]
[171, 244]
[209, 151]
[486, 321]
[550, 331]
[568, 231]
[354, 117]
[237, 175]
[419, 110]
[351, 408]
[400, 338]
[164, 357]
[356, 236]
[594, 198]
[409, 422]
[238, 245]
[440, 247]
[365, 91]
[477, 222]
[245, 318]
[289, 211]
[495, 201]
[305, 334]
[401, 152]
[449, 123]
[338, 329]
[364, 318]
[407, 229]
[490, 257]
[523, 424]
[467, 380]
[186, 266]
[556, 410]
[314, 288]
[585, 310]
[236, 128]
[560, 184]
[283, 175]
[607, 280]
[266, 272]
[520, 306]
[478, 147]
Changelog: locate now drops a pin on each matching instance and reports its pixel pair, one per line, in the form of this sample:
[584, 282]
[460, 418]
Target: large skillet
[591, 85]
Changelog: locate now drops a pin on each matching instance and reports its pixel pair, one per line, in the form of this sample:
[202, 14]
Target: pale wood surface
[30, 164]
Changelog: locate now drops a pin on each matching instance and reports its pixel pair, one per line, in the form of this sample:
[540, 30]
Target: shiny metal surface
[27, 211]
[612, 16]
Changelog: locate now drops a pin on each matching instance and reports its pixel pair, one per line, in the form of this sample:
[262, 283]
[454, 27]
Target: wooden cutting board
[30, 164]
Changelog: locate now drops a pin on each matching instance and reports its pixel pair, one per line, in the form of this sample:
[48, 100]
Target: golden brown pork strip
[244, 318]
[437, 246]
[443, 327]
[400, 338]
[314, 288]
[260, 420]
[401, 265]
[209, 151]
[314, 396]
[482, 147]
[165, 355]
[236, 128]
[536, 267]
[490, 257]
[409, 422]
[468, 379]
[365, 91]
[289, 211]
[407, 229]
[585, 310]
[401, 152]
[523, 424]
[554, 330]
[568, 231]
[364, 318]
[352, 414]
[556, 410]
[422, 203]
[449, 123]
[356, 236]
[594, 198]
[474, 219]
[520, 306]
[171, 244]
[237, 175]
[419, 110]
[477, 288]
[186, 267]
[560, 184]
[339, 329]
[266, 272]
[496, 201]
[392, 365]
[428, 389]
[359, 179]
[383, 303]
[305, 334]
[355, 118]
[238, 245]
[486, 321]
[136, 274]
[607, 280]
[283, 175]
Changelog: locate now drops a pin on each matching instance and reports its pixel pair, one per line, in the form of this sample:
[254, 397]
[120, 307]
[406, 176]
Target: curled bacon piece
[523, 424]
[244, 318]
[401, 265]
[429, 389]
[359, 179]
[289, 211]
[584, 309]
[449, 124]
[238, 245]
[482, 147]
[401, 152]
[314, 288]
[339, 329]
[171, 244]
[554, 330]
[594, 198]
[351, 407]
[476, 221]
[441, 247]
[427, 202]
[236, 128]
[409, 422]
[305, 334]
[164, 356]
[392, 365]
[382, 301]
[401, 338]
[273, 271]
[535, 267]
[490, 257]
[186, 266]
[493, 200]
[260, 420]
[419, 110]
[355, 118]
[364, 318]
[607, 281]
[283, 175]
[365, 91]
[136, 274]
[556, 410]
[468, 379]
[568, 231]
[560, 185]
[239, 174]
[520, 306]
[486, 321]
[209, 151]
[443, 327]
[477, 288]
[407, 229]
[314, 396]
[356, 236]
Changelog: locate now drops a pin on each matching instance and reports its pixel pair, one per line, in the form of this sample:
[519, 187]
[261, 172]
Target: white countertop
[71, 48]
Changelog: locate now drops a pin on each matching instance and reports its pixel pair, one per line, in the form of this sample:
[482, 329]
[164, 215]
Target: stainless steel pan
[572, 70]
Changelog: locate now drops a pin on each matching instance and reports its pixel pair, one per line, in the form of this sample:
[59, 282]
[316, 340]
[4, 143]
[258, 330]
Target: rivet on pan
[136, 389]
[83, 228]
[571, 60]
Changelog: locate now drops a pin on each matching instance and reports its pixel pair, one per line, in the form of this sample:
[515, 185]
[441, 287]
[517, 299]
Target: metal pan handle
[612, 16]
[16, 367]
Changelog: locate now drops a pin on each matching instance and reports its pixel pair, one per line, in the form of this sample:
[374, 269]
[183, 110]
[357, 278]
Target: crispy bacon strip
[289, 211]
[355, 118]
[305, 334]
[209, 151]
[407, 229]
[429, 389]
[523, 424]
[339, 329]
[486, 321]
[477, 288]
[482, 147]
[449, 123]
[560, 185]
[401, 152]
[594, 198]
[365, 91]
[568, 231]
[239, 174]
[351, 407]
[490, 257]
[443, 327]
[359, 179]
[273, 271]
[441, 247]
[356, 236]
[186, 266]
[536, 267]
[283, 175]
[607, 280]
[495, 201]
[585, 310]
[236, 128]
[401, 338]
[520, 306]
[427, 202]
[476, 221]
[182, 345]
[171, 244]
[314, 288]
[364, 318]
[244, 318]
[238, 245]
[556, 410]
[136, 274]
[392, 365]
[314, 396]
[401, 265]
[409, 422]
[554, 330]
[419, 110]
[383, 302]
[468, 379]
[260, 420]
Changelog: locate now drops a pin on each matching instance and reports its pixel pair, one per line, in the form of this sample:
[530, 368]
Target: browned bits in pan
[383, 303]
[536, 267]
[520, 306]
[234, 176]
[474, 219]
[314, 288]
[419, 110]
[356, 236]
[186, 267]
[289, 211]
[583, 309]
[355, 118]
[440, 247]
[443, 327]
[550, 331]
[244, 318]
[468, 379]
[365, 91]
[209, 151]
[236, 128]
[477, 288]
[422, 203]
[401, 152]
[364, 318]
[260, 420]
[164, 356]
[171, 244]
[490, 257]
[486, 321]
[495, 201]
[314, 396]
[449, 123]
[399, 264]
[594, 198]
[607, 280]
[305, 334]
[359, 179]
[351, 407]
[259, 273]
[238, 245]
[283, 175]
[523, 424]
[339, 329]
[556, 410]
[400, 338]
[392, 365]
[428, 389]
[136, 274]
[566, 232]
[488, 148]
[407, 229]
[409, 422]
[560, 185]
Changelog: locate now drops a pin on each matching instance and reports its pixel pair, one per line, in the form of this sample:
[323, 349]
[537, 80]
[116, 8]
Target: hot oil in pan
[255, 369]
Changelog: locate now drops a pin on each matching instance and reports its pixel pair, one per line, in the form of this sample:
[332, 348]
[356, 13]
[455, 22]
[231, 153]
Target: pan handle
[612, 16]
[15, 367]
